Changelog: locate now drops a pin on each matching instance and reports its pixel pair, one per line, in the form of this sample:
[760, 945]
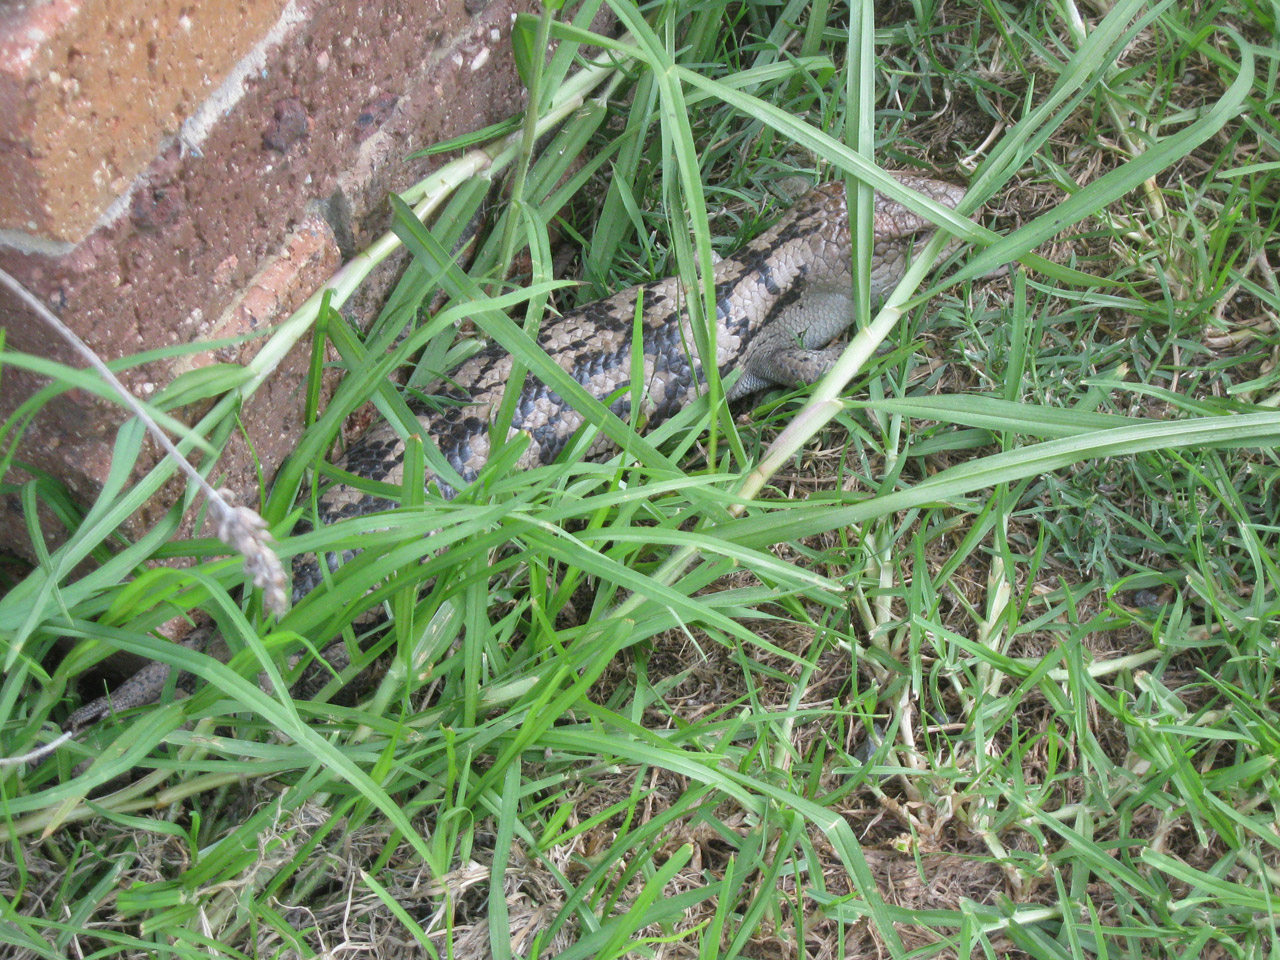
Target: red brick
[90, 88]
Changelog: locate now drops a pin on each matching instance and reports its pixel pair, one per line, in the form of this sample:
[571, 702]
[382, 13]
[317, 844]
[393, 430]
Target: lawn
[968, 650]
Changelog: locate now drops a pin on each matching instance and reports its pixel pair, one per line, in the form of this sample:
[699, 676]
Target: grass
[974, 658]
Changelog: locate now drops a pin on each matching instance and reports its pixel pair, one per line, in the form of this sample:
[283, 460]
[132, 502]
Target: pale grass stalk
[908, 755]
[978, 818]
[880, 560]
[1024, 918]
[127, 799]
[1260, 867]
[990, 629]
[1134, 145]
[863, 607]
[240, 528]
[1101, 668]
[882, 538]
[785, 749]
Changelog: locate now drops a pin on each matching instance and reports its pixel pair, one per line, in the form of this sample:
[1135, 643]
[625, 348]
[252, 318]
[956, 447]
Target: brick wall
[159, 165]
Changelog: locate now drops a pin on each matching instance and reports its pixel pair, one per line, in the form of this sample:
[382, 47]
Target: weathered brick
[89, 89]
